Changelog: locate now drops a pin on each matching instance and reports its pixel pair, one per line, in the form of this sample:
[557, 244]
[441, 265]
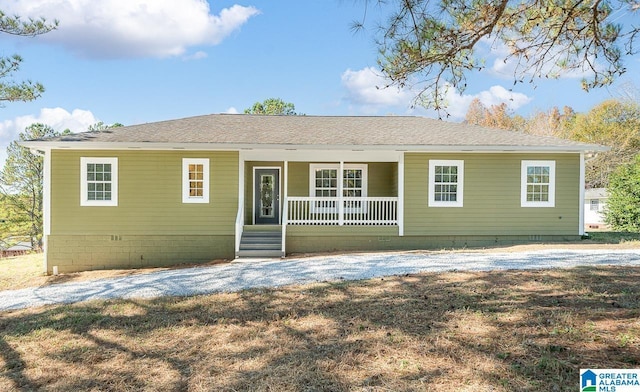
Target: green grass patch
[612, 237]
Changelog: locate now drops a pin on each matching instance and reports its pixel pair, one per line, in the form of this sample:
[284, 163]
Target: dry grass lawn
[460, 331]
[28, 271]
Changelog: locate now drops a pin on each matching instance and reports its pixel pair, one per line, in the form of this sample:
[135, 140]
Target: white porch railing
[354, 211]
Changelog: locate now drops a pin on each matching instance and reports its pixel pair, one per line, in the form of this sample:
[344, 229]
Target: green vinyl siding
[299, 179]
[491, 197]
[150, 195]
[382, 180]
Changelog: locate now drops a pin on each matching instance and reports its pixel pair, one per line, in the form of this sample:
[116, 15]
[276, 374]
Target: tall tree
[551, 122]
[435, 44]
[612, 123]
[21, 182]
[272, 106]
[11, 90]
[496, 116]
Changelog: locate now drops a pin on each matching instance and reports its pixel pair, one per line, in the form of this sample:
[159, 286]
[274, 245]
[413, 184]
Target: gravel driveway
[272, 273]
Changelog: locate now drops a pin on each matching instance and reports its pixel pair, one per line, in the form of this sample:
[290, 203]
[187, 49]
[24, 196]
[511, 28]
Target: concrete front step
[262, 246]
[259, 253]
[261, 241]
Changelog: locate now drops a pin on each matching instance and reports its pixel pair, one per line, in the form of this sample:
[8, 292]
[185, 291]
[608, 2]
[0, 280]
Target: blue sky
[135, 61]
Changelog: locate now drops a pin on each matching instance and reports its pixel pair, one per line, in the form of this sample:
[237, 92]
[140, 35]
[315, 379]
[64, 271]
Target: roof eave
[74, 145]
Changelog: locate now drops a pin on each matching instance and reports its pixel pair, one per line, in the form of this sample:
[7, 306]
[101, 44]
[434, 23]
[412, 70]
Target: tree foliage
[552, 122]
[496, 116]
[435, 44]
[272, 106]
[612, 123]
[623, 205]
[101, 126]
[11, 90]
[21, 183]
[12, 223]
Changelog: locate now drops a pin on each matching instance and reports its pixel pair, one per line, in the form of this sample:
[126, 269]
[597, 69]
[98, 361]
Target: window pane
[538, 182]
[445, 183]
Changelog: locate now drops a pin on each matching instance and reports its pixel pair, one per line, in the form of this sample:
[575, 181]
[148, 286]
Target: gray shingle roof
[237, 130]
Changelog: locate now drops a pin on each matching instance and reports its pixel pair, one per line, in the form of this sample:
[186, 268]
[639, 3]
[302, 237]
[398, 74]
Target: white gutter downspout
[582, 184]
[46, 204]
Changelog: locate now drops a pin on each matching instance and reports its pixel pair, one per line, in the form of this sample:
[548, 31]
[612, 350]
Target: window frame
[551, 202]
[84, 183]
[336, 166]
[333, 208]
[186, 197]
[459, 202]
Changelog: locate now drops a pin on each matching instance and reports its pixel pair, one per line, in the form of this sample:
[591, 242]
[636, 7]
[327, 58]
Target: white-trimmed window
[195, 180]
[595, 205]
[538, 188]
[98, 181]
[446, 183]
[323, 182]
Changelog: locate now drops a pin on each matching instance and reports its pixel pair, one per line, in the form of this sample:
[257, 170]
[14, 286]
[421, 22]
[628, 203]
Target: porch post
[400, 210]
[286, 179]
[340, 196]
[284, 210]
[285, 189]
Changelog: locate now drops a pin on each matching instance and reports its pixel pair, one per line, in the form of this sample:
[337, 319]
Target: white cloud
[364, 94]
[59, 119]
[134, 28]
[496, 95]
[232, 110]
[366, 89]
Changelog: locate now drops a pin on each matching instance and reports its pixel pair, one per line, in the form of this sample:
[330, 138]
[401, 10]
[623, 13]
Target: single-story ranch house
[224, 186]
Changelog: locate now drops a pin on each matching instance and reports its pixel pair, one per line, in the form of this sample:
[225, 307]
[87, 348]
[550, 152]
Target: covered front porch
[292, 188]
